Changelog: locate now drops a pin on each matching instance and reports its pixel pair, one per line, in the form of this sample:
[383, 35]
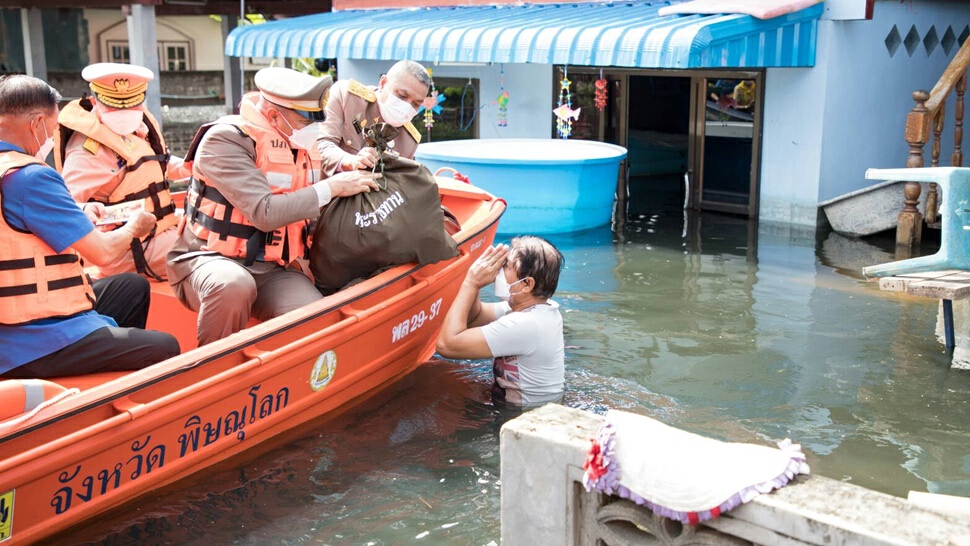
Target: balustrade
[924, 124]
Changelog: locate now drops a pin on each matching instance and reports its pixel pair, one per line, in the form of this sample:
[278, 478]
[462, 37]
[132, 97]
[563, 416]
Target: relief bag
[359, 236]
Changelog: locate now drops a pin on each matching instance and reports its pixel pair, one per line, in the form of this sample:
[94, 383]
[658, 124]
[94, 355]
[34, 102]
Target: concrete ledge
[544, 503]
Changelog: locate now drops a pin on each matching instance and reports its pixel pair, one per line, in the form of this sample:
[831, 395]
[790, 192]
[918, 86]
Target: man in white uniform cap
[255, 186]
[110, 151]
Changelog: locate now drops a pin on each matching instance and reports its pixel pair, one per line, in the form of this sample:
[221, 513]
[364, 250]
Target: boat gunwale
[858, 192]
[242, 344]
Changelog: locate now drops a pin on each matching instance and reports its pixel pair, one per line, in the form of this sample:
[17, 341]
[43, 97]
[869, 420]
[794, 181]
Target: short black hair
[538, 258]
[26, 95]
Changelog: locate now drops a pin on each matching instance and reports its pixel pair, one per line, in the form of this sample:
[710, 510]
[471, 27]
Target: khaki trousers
[226, 294]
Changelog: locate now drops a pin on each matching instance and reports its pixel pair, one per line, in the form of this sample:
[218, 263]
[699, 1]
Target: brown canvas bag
[359, 236]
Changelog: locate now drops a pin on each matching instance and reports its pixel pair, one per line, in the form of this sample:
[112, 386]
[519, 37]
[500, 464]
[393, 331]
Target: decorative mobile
[599, 98]
[431, 105]
[502, 100]
[564, 112]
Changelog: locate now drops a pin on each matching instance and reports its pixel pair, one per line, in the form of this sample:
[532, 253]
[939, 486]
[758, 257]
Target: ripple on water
[721, 329]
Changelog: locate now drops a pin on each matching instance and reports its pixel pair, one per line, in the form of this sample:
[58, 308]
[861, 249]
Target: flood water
[713, 324]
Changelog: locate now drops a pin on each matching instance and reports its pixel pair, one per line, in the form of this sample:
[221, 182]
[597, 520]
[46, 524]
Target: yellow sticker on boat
[6, 515]
[323, 370]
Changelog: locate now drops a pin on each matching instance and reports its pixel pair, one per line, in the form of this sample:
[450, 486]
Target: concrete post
[232, 69]
[143, 48]
[34, 52]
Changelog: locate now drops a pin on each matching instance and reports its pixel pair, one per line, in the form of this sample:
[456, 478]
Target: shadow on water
[707, 322]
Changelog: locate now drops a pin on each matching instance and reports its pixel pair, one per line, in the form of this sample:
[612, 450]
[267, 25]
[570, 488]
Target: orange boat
[112, 437]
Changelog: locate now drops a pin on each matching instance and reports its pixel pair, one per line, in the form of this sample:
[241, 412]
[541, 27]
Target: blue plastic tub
[551, 186]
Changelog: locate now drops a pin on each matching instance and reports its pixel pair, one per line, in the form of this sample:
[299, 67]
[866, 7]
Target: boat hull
[120, 439]
[868, 211]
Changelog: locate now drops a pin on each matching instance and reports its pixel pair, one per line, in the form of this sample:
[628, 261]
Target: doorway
[726, 128]
[658, 139]
[692, 137]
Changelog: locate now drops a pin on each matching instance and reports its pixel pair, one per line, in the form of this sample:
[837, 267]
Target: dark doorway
[658, 139]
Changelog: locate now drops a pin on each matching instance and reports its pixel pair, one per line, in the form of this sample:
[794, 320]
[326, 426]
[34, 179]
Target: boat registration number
[410, 325]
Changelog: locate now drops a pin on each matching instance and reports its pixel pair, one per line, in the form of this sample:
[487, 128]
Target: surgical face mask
[395, 111]
[502, 286]
[305, 138]
[45, 148]
[122, 122]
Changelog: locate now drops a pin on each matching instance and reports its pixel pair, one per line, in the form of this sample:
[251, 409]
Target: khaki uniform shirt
[226, 160]
[352, 101]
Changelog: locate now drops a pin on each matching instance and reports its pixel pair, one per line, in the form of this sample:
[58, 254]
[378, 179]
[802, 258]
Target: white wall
[791, 149]
[870, 93]
[529, 86]
[824, 126]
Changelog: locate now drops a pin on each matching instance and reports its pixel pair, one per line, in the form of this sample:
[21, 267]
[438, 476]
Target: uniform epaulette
[413, 131]
[354, 87]
[91, 145]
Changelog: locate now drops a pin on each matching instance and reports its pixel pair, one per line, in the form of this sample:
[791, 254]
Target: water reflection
[716, 325]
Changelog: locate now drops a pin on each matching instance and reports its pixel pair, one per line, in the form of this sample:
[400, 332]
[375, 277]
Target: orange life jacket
[225, 229]
[146, 161]
[36, 282]
[145, 165]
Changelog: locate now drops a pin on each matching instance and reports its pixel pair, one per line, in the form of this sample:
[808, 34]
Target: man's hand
[140, 224]
[486, 267]
[366, 158]
[95, 211]
[352, 182]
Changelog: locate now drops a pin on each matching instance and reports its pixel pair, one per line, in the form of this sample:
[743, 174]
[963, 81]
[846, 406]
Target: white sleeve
[323, 192]
[511, 335]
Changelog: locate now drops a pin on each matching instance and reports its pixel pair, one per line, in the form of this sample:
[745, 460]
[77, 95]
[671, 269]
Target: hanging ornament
[564, 112]
[599, 98]
[502, 100]
[431, 105]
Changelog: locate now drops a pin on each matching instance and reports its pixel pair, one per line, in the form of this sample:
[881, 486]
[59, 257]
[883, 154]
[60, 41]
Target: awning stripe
[628, 34]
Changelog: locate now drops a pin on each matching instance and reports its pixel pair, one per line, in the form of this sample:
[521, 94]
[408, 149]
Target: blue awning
[627, 34]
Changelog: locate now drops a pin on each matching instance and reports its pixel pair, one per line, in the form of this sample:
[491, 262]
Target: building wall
[65, 34]
[203, 33]
[529, 87]
[878, 89]
[824, 126]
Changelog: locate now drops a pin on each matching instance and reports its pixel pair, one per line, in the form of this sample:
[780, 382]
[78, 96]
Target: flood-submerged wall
[825, 125]
[544, 502]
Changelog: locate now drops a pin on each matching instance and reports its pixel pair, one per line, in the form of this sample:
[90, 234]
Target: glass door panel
[727, 118]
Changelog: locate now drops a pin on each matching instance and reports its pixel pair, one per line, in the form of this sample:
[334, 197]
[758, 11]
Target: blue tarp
[621, 34]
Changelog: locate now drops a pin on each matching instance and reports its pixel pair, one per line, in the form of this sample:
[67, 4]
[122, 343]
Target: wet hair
[22, 95]
[537, 258]
[411, 68]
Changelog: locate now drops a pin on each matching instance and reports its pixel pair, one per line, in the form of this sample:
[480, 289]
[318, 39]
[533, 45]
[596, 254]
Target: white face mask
[46, 147]
[502, 286]
[395, 111]
[122, 122]
[305, 138]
